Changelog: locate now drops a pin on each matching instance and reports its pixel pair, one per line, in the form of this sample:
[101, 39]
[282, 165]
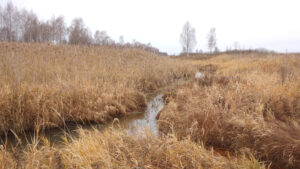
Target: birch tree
[188, 38]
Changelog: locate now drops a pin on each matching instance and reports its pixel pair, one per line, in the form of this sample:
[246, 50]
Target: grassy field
[244, 113]
[43, 86]
[245, 103]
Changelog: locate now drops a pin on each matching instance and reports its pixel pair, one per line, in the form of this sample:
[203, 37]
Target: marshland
[77, 101]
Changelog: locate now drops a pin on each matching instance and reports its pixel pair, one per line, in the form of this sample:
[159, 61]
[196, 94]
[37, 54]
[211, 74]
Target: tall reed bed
[43, 85]
[243, 104]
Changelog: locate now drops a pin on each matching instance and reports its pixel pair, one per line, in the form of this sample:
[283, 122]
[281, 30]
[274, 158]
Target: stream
[144, 121]
[134, 123]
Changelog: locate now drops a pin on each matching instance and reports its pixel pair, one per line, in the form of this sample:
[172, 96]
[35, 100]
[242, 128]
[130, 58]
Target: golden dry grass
[44, 85]
[249, 103]
[114, 148]
[245, 108]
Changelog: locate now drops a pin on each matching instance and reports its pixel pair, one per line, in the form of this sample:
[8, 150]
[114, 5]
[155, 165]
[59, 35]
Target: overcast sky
[271, 24]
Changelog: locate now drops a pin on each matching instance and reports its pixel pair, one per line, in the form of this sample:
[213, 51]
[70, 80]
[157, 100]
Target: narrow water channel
[134, 123]
[145, 121]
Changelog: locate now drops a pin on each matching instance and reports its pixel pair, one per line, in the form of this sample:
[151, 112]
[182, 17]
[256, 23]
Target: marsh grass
[244, 106]
[46, 85]
[244, 113]
[114, 148]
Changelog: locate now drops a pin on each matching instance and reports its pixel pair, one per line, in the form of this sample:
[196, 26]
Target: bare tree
[1, 17]
[31, 28]
[45, 32]
[53, 32]
[78, 33]
[61, 29]
[98, 37]
[101, 38]
[24, 26]
[1, 24]
[19, 25]
[58, 29]
[188, 38]
[9, 18]
[212, 39]
[121, 40]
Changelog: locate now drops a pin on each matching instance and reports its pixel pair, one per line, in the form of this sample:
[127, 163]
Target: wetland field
[68, 106]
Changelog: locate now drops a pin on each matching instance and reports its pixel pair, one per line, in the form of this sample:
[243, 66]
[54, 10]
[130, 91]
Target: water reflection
[133, 123]
[145, 121]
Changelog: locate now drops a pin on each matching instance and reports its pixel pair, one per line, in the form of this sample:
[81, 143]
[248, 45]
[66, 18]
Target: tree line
[25, 26]
[188, 42]
[188, 39]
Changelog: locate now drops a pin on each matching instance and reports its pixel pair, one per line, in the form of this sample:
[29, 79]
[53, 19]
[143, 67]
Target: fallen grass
[246, 105]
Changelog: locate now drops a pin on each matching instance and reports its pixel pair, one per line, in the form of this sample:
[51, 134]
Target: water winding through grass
[133, 123]
[145, 121]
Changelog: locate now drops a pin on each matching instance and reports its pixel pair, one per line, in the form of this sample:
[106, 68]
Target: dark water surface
[134, 124]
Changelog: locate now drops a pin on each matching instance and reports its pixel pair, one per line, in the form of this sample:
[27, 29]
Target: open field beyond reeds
[244, 112]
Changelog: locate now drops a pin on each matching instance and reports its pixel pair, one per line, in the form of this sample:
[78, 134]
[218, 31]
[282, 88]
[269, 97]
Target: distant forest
[23, 26]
